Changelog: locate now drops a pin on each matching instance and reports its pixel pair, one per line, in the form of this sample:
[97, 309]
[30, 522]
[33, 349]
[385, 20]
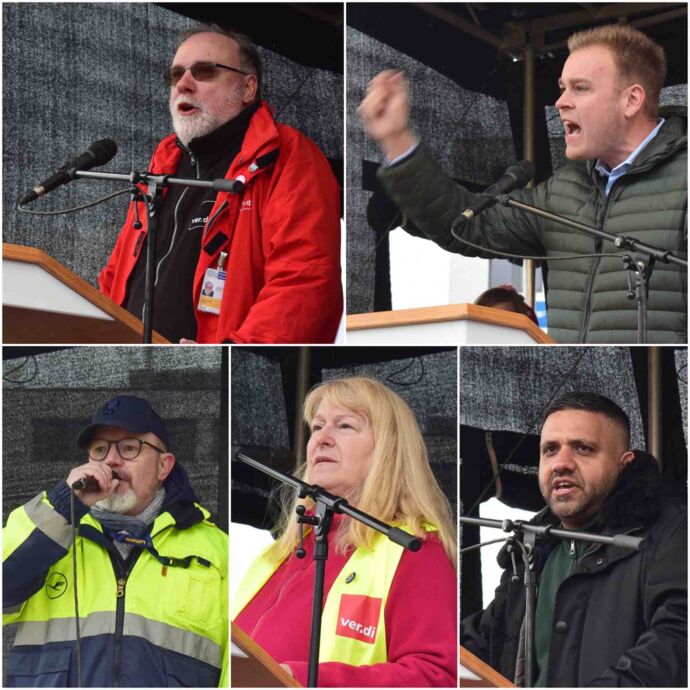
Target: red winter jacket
[282, 235]
[421, 620]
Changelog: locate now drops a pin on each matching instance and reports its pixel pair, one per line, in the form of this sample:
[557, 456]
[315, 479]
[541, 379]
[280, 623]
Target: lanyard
[146, 542]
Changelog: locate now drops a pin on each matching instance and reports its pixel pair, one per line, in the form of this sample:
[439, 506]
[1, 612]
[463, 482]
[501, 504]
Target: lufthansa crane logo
[56, 585]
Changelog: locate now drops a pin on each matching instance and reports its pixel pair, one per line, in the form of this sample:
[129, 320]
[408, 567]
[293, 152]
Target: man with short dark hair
[272, 251]
[605, 616]
[151, 568]
[627, 174]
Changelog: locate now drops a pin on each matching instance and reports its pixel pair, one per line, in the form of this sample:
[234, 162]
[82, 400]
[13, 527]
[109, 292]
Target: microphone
[90, 483]
[98, 153]
[515, 177]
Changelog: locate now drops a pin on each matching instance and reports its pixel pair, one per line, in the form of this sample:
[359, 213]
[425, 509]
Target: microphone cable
[21, 208]
[508, 255]
[74, 580]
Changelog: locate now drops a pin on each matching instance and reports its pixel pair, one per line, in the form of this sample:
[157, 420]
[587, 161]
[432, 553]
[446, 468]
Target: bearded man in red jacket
[272, 252]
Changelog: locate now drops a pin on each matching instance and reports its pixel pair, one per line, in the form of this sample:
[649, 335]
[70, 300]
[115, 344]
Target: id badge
[212, 290]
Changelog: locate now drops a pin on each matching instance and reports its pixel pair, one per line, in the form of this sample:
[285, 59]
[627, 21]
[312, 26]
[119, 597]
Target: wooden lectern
[452, 324]
[474, 673]
[44, 302]
[252, 667]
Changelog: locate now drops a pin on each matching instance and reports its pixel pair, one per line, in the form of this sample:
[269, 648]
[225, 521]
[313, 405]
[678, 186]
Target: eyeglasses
[201, 71]
[127, 448]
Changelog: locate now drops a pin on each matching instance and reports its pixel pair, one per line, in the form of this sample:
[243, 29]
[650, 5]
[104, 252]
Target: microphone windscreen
[102, 151]
[522, 172]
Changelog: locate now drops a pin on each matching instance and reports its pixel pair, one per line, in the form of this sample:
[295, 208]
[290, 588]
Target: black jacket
[620, 619]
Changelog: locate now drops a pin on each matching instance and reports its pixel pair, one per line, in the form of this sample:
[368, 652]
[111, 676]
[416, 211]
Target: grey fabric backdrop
[468, 132]
[76, 72]
[49, 398]
[681, 357]
[504, 388]
[258, 409]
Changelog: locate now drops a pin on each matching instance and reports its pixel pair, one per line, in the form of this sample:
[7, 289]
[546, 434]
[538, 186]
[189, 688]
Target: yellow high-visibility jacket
[143, 623]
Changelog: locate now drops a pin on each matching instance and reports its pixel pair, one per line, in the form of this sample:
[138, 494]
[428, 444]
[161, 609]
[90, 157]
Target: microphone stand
[326, 506]
[640, 267]
[523, 537]
[153, 196]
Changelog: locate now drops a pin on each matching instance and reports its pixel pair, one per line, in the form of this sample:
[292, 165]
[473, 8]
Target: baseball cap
[128, 412]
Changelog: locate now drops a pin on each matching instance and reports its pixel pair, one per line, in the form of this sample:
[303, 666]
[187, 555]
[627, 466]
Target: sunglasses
[201, 71]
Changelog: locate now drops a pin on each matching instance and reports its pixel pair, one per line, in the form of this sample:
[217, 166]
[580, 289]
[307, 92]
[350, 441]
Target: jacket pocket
[182, 672]
[39, 667]
[198, 591]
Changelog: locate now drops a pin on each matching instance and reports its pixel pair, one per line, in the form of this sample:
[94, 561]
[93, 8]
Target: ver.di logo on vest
[358, 617]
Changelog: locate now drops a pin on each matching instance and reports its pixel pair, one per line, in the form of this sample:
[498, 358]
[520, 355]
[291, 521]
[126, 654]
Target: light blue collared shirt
[623, 167]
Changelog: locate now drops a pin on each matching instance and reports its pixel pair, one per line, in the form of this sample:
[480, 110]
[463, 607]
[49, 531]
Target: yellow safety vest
[353, 628]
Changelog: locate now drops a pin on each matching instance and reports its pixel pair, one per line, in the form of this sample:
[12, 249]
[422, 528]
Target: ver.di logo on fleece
[358, 617]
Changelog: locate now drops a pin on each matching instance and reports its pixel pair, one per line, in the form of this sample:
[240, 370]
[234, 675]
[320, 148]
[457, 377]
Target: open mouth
[186, 108]
[571, 129]
[564, 487]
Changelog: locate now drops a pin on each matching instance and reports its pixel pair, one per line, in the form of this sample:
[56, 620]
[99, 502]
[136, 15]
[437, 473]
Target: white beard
[118, 503]
[188, 127]
[213, 113]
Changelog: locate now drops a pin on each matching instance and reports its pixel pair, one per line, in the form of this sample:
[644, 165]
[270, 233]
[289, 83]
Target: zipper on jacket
[212, 220]
[122, 572]
[193, 161]
[572, 547]
[586, 317]
[119, 622]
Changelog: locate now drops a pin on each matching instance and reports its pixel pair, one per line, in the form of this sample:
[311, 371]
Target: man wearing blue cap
[150, 571]
[125, 429]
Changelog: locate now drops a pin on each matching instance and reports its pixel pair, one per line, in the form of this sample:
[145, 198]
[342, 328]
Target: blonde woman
[390, 616]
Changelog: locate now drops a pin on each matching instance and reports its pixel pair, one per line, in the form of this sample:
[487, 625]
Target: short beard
[118, 503]
[590, 502]
[191, 127]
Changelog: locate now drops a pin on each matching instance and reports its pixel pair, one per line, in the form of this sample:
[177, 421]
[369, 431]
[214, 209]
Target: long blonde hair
[400, 486]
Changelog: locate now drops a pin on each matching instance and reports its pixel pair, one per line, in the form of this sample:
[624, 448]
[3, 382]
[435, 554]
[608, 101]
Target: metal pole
[303, 364]
[654, 397]
[528, 282]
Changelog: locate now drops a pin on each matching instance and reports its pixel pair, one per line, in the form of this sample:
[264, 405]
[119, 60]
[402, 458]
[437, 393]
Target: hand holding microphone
[93, 481]
[90, 483]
